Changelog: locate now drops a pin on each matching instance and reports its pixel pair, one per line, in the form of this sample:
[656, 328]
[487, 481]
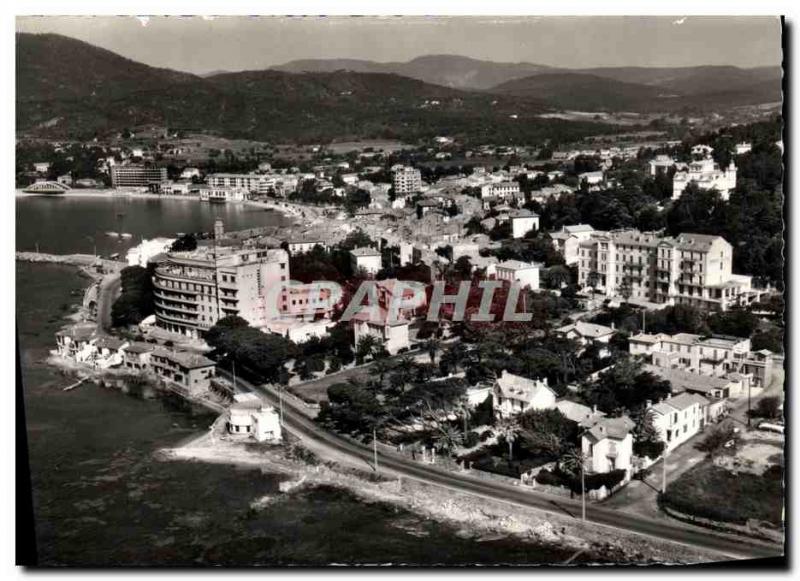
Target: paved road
[728, 546]
[107, 294]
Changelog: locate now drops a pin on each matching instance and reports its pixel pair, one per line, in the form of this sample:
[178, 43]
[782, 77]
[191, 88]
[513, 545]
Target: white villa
[707, 174]
[514, 394]
[526, 273]
[366, 259]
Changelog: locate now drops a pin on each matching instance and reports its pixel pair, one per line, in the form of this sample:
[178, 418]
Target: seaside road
[729, 546]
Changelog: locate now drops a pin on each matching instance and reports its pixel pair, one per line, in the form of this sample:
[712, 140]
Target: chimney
[219, 229]
[613, 326]
[594, 409]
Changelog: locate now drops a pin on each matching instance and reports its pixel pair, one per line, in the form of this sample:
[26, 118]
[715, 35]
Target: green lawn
[712, 492]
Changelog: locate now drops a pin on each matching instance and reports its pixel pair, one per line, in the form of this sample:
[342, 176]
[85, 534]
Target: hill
[650, 90]
[54, 66]
[582, 91]
[447, 70]
[69, 89]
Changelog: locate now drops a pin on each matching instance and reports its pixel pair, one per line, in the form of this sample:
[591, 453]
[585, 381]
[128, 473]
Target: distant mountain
[692, 80]
[68, 88]
[447, 70]
[742, 86]
[650, 90]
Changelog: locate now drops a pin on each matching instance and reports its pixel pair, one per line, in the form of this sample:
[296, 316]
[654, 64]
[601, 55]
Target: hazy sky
[200, 45]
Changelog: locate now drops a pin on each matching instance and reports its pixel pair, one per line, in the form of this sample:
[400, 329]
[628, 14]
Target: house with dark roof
[608, 445]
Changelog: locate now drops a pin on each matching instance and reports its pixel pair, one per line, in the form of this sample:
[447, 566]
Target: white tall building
[407, 180]
[193, 290]
[690, 269]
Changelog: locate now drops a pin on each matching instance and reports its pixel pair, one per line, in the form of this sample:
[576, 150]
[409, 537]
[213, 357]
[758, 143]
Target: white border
[342, 7]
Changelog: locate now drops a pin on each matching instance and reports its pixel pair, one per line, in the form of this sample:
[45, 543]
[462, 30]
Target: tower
[219, 229]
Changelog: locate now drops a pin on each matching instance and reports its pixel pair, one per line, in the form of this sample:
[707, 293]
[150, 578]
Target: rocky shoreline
[486, 519]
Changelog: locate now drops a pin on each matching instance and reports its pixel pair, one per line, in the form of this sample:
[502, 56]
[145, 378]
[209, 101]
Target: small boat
[126, 235]
[114, 256]
[113, 234]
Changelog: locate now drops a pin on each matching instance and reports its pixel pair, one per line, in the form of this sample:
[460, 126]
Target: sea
[100, 495]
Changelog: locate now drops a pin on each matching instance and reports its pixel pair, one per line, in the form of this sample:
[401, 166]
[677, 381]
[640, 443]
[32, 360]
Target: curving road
[729, 546]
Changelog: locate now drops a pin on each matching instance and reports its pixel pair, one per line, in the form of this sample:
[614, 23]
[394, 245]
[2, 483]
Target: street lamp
[375, 447]
[749, 415]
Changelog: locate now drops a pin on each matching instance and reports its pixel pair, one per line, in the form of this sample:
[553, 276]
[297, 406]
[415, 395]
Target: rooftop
[364, 251]
[520, 388]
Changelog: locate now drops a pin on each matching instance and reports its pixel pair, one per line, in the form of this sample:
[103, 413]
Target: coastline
[288, 209]
[486, 520]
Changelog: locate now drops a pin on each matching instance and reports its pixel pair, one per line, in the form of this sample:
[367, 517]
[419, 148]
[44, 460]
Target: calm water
[72, 224]
[102, 499]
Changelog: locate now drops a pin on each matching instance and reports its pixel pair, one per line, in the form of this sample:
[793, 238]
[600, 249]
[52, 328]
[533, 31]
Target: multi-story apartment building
[407, 180]
[193, 290]
[189, 371]
[715, 356]
[255, 183]
[137, 176]
[246, 181]
[690, 269]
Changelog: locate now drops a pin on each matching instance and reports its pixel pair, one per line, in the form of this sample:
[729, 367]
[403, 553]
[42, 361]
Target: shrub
[472, 439]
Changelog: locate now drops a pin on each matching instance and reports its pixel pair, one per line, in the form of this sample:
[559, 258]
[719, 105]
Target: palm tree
[366, 346]
[574, 461]
[432, 346]
[508, 428]
[381, 367]
[447, 438]
[465, 411]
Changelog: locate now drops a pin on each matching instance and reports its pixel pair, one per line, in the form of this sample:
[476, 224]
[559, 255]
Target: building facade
[193, 290]
[690, 269]
[707, 174]
[137, 176]
[406, 180]
[525, 273]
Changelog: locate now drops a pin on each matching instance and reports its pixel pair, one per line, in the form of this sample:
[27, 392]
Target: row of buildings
[186, 370]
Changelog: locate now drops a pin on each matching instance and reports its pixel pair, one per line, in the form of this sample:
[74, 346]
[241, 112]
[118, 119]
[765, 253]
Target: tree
[447, 438]
[136, 301]
[647, 439]
[574, 462]
[768, 407]
[715, 441]
[185, 243]
[253, 351]
[507, 429]
[367, 346]
[432, 346]
[546, 433]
